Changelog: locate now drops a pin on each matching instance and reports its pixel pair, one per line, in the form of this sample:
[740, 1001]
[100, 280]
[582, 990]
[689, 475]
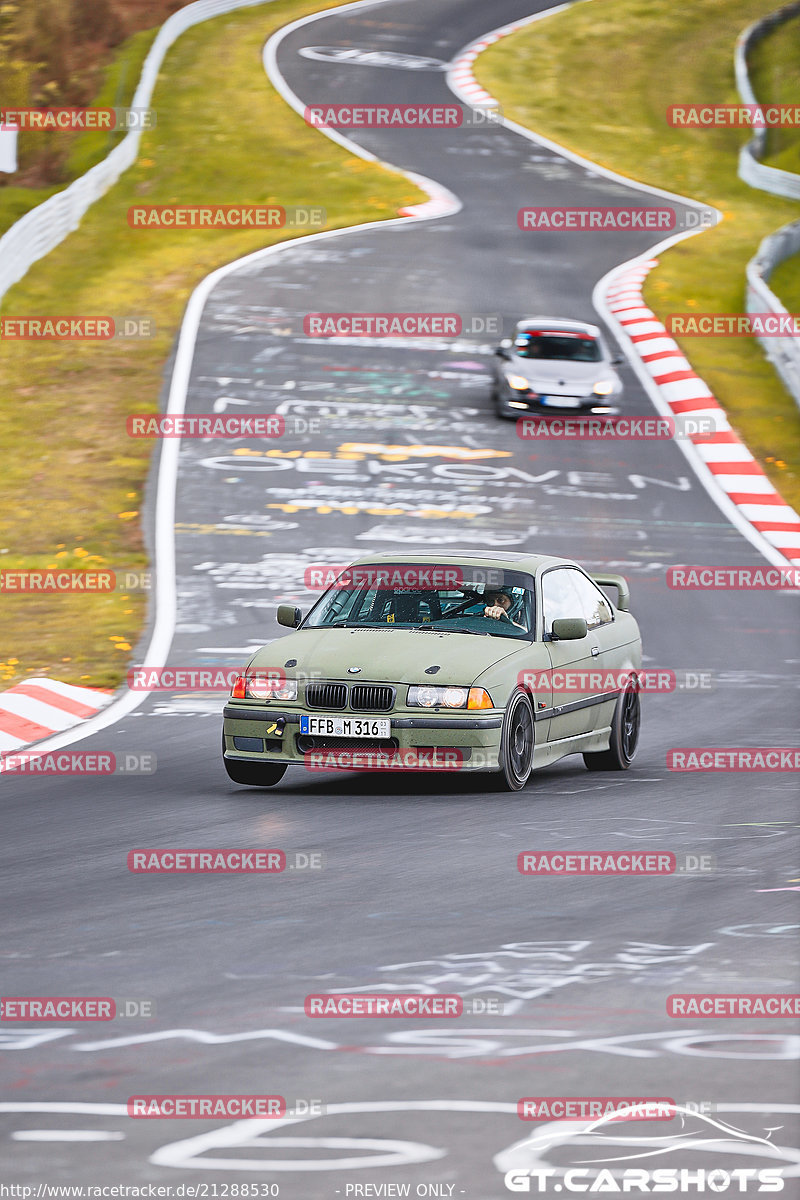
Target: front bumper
[256, 733]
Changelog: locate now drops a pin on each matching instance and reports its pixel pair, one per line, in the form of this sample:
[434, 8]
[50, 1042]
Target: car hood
[541, 375]
[385, 655]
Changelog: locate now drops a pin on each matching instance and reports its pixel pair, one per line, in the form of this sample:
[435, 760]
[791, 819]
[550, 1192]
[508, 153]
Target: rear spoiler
[621, 584]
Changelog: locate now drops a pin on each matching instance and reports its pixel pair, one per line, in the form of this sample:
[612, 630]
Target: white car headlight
[518, 382]
[604, 387]
[432, 697]
[267, 685]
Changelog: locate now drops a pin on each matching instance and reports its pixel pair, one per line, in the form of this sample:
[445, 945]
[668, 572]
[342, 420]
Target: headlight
[264, 685]
[422, 696]
[604, 387]
[518, 382]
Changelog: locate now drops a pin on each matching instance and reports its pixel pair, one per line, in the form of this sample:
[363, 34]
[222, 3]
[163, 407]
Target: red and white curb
[725, 455]
[38, 708]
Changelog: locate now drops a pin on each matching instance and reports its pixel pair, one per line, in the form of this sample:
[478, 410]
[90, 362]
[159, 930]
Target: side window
[595, 606]
[560, 596]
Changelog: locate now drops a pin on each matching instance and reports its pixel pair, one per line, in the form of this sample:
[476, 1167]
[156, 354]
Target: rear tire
[516, 743]
[252, 774]
[625, 725]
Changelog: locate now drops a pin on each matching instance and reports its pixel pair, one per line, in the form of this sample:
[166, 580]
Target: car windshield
[562, 347]
[447, 598]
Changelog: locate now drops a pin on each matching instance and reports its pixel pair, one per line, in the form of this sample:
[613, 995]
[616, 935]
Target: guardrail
[44, 227]
[769, 179]
[783, 353]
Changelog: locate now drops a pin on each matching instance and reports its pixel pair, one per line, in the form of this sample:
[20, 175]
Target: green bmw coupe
[476, 662]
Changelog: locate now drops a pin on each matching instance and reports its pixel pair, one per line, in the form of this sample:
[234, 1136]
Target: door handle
[595, 651]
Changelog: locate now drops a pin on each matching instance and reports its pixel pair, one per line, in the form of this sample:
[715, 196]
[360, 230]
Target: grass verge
[72, 480]
[633, 58]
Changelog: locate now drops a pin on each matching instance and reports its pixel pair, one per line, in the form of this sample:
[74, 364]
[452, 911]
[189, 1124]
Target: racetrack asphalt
[420, 887]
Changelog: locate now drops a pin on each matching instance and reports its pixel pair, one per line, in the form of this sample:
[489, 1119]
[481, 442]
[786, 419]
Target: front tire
[625, 726]
[516, 742]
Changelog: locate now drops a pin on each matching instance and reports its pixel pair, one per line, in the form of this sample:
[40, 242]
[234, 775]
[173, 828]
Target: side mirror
[289, 615]
[618, 361]
[503, 350]
[569, 629]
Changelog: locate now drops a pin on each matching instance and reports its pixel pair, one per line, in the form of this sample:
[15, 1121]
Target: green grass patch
[83, 150]
[598, 78]
[72, 480]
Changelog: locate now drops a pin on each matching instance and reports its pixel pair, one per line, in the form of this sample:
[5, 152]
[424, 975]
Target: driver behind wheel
[498, 605]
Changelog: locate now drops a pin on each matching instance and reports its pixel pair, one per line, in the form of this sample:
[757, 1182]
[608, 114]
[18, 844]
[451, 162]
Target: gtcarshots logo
[397, 324]
[638, 1179]
[401, 116]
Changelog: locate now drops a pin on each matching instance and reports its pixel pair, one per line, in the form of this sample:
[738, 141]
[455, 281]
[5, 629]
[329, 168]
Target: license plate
[352, 727]
[561, 401]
